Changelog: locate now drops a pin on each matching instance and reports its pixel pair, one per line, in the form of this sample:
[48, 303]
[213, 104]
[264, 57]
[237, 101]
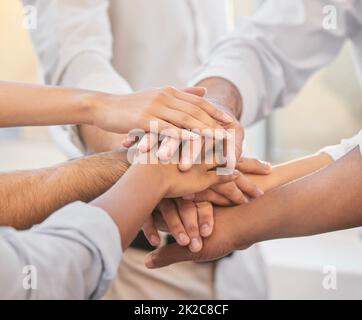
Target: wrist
[91, 107]
[154, 175]
[225, 92]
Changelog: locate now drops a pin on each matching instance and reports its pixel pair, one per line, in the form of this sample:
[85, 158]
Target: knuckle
[174, 226]
[185, 118]
[204, 204]
[169, 90]
[192, 229]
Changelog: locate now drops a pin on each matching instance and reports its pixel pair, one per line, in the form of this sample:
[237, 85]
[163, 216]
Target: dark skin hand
[328, 200]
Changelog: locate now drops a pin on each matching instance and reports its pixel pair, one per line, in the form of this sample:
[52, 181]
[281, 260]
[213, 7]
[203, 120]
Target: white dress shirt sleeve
[271, 55]
[75, 254]
[346, 145]
[75, 47]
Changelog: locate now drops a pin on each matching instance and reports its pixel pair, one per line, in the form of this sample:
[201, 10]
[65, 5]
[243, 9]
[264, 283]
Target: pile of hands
[190, 213]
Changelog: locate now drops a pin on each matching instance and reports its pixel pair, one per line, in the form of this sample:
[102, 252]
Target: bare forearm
[28, 197]
[290, 171]
[225, 93]
[98, 140]
[25, 105]
[329, 200]
[122, 201]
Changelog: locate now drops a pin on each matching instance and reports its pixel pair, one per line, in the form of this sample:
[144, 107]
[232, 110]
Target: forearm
[225, 93]
[290, 171]
[28, 197]
[122, 201]
[25, 105]
[329, 200]
[98, 140]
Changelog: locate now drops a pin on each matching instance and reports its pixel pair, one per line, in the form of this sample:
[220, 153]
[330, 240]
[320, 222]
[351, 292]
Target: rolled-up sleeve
[271, 55]
[74, 254]
[74, 44]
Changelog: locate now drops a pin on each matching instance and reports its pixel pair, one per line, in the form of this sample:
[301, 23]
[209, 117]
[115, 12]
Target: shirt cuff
[346, 145]
[94, 226]
[240, 80]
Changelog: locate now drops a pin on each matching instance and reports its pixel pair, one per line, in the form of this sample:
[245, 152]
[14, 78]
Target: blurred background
[328, 108]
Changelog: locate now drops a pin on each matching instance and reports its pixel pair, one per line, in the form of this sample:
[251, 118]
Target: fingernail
[219, 134]
[142, 148]
[266, 165]
[154, 240]
[183, 239]
[162, 153]
[149, 261]
[189, 197]
[236, 173]
[195, 245]
[185, 166]
[227, 118]
[193, 136]
[205, 230]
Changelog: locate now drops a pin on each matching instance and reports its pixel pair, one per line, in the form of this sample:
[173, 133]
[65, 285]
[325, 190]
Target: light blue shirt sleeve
[74, 254]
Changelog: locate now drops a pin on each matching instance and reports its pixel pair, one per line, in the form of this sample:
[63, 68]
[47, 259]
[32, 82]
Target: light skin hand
[165, 181]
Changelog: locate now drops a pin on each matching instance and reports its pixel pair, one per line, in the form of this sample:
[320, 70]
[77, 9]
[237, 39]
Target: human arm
[290, 171]
[328, 200]
[169, 108]
[154, 182]
[74, 254]
[28, 197]
[266, 64]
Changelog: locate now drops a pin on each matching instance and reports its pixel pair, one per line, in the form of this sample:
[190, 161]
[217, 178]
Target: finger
[247, 165]
[190, 152]
[204, 105]
[213, 197]
[129, 141]
[171, 217]
[175, 132]
[167, 255]
[206, 218]
[231, 191]
[147, 142]
[188, 214]
[151, 232]
[195, 112]
[168, 148]
[182, 119]
[215, 178]
[248, 187]
[197, 91]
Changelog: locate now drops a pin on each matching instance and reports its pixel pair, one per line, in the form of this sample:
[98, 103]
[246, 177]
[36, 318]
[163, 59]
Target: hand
[187, 221]
[173, 110]
[245, 187]
[169, 146]
[227, 237]
[200, 177]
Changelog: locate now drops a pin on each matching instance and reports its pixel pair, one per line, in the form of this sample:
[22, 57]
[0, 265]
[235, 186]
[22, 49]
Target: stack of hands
[188, 214]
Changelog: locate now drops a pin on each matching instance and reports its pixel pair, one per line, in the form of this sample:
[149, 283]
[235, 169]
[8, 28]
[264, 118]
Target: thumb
[253, 166]
[219, 176]
[197, 91]
[167, 255]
